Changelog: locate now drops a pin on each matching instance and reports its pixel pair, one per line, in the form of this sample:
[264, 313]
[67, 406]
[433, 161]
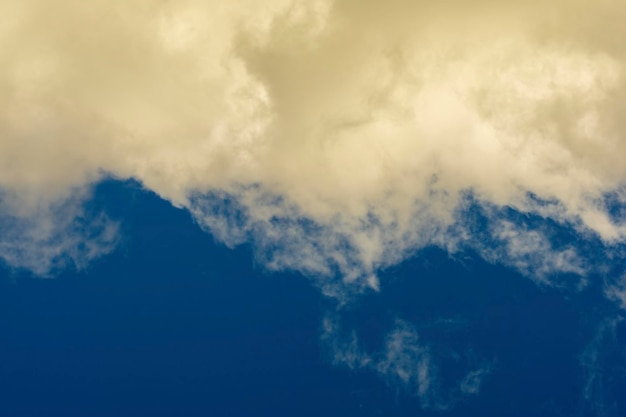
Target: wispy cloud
[596, 372]
[406, 362]
[473, 380]
[615, 290]
[531, 252]
[49, 236]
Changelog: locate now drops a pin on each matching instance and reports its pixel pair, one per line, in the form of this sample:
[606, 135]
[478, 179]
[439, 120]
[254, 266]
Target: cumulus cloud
[337, 136]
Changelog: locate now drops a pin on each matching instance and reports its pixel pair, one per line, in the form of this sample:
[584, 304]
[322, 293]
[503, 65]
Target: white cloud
[345, 134]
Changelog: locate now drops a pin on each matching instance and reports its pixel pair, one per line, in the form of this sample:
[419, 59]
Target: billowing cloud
[337, 136]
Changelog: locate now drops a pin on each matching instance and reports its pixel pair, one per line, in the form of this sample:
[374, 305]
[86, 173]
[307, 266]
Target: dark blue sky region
[175, 324]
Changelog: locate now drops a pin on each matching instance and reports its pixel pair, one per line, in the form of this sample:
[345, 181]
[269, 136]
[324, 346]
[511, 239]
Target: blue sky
[174, 323]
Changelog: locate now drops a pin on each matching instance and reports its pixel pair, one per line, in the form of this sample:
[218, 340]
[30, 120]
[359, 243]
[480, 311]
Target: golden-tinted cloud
[347, 132]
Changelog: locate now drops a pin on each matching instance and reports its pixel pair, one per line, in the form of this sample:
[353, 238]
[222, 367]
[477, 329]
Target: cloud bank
[337, 136]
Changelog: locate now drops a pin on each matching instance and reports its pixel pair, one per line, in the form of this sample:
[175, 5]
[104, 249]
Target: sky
[332, 207]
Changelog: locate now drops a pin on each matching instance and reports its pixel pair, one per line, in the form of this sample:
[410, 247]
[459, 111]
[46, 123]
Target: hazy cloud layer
[338, 136]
